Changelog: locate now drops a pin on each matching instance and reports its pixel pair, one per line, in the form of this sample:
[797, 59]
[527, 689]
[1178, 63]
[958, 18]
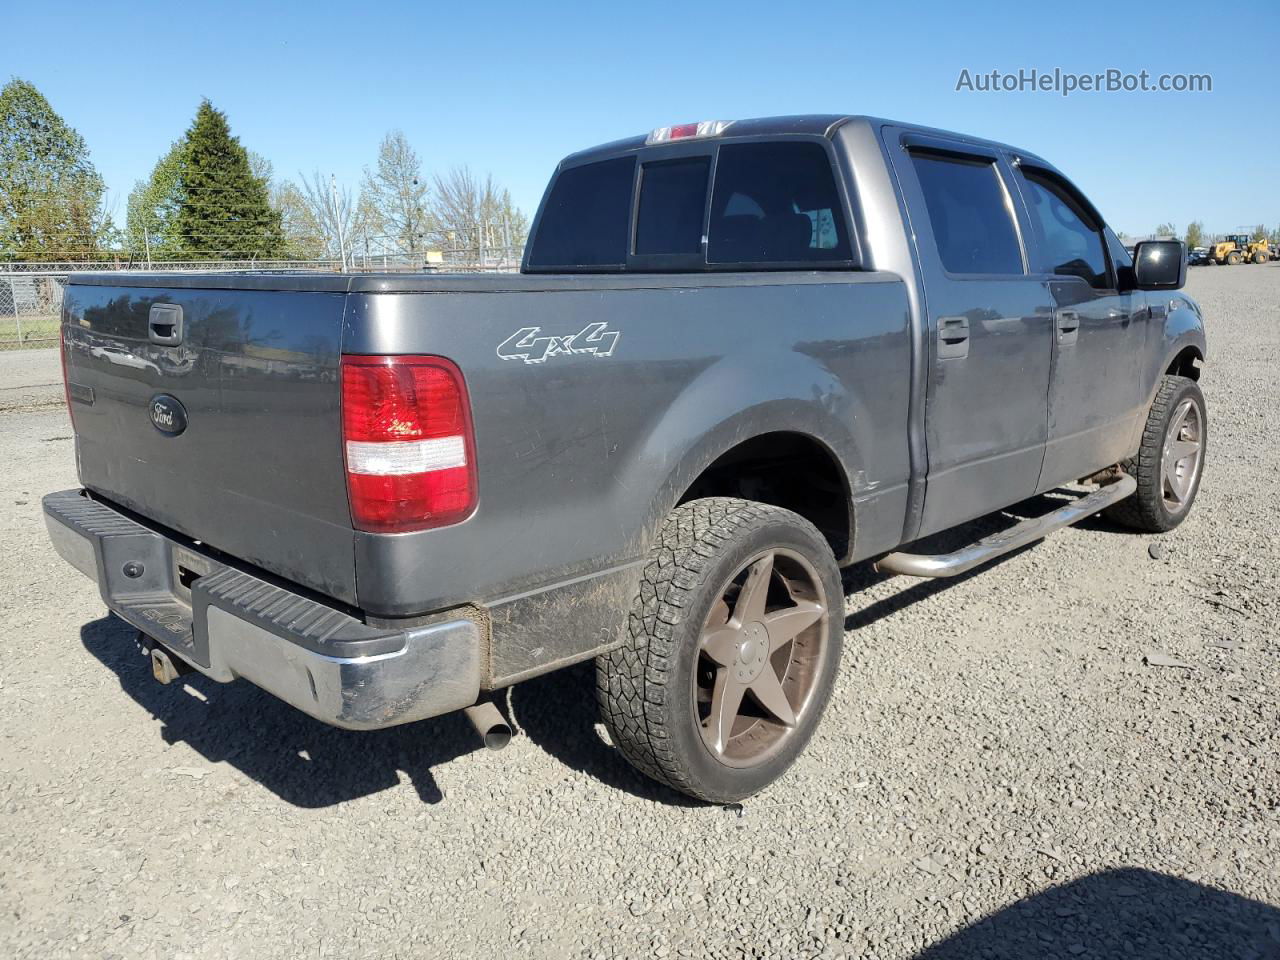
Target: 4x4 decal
[526, 345]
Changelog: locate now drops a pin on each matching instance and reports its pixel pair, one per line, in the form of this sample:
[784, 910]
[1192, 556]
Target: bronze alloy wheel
[731, 651]
[1169, 464]
[1181, 457]
[760, 654]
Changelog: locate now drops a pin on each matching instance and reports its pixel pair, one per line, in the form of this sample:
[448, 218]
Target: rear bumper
[228, 624]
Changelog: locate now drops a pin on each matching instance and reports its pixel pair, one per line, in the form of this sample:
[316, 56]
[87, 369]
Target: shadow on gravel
[1131, 914]
[301, 760]
[861, 576]
[557, 711]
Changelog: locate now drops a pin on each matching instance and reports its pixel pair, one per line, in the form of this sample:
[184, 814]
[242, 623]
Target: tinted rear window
[972, 223]
[673, 196]
[775, 203]
[585, 220]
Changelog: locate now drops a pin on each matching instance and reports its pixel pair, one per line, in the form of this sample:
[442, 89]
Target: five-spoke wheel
[731, 650]
[1169, 463]
[761, 650]
[1182, 456]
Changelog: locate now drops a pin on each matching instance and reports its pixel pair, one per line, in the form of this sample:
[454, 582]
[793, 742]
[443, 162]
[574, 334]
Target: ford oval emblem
[168, 414]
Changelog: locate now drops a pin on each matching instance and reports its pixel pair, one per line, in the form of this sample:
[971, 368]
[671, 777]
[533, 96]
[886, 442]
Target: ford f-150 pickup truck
[738, 357]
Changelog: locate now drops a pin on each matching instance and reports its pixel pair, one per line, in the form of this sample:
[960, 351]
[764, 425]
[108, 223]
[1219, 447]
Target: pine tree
[51, 197]
[225, 211]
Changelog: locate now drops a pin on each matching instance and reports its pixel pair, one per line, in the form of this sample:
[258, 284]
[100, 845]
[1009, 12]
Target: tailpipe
[490, 724]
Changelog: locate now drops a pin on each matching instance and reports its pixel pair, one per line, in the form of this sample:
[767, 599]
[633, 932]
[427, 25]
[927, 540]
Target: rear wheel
[1170, 459]
[731, 652]
[1233, 258]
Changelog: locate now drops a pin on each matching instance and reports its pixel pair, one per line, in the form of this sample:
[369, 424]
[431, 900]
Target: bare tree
[303, 234]
[330, 211]
[473, 215]
[395, 195]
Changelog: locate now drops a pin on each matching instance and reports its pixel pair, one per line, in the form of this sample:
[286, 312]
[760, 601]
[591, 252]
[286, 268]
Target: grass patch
[29, 332]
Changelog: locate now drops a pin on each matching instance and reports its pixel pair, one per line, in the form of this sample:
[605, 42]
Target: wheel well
[789, 470]
[1184, 364]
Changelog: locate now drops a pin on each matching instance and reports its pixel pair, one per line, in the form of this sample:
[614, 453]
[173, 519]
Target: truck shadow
[557, 711]
[1125, 913]
[301, 760]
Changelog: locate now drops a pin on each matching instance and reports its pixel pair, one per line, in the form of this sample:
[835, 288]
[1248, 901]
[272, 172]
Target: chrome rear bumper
[229, 624]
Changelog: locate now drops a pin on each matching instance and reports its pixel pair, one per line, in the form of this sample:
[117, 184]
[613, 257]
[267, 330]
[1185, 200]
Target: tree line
[1196, 237]
[210, 198]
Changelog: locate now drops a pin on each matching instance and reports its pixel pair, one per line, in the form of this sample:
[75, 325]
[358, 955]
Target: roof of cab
[809, 124]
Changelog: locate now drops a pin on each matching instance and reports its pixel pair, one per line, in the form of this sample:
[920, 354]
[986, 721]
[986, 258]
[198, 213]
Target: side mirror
[1160, 265]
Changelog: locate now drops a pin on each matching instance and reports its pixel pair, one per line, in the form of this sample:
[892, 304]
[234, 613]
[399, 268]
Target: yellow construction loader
[1238, 248]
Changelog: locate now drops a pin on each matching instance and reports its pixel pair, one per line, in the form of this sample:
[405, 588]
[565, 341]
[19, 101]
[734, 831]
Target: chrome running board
[988, 548]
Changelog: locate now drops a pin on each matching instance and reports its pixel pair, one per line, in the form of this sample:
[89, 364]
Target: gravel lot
[1000, 775]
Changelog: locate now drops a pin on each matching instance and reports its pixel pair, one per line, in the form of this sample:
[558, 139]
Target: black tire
[646, 688]
[1259, 258]
[1148, 509]
[1233, 258]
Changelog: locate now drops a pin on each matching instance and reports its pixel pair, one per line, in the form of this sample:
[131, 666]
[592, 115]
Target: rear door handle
[953, 338]
[1068, 327]
[164, 324]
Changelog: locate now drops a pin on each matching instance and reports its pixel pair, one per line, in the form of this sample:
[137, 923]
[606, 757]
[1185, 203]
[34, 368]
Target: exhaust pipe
[490, 724]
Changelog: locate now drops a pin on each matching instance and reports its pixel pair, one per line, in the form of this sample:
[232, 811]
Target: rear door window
[673, 198]
[969, 211]
[585, 220]
[776, 203]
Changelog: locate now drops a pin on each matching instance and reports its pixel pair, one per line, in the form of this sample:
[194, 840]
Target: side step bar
[988, 548]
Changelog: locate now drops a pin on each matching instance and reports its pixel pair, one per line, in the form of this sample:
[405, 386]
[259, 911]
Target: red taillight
[407, 439]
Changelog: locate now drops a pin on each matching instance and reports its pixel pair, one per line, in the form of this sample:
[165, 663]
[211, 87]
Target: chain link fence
[30, 303]
[31, 293]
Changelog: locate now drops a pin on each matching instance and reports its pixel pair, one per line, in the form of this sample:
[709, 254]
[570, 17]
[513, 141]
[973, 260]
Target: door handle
[1068, 327]
[164, 324]
[953, 338]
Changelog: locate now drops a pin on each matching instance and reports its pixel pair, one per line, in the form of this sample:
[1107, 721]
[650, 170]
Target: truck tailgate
[231, 436]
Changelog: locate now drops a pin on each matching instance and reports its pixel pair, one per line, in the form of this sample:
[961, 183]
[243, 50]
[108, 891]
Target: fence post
[17, 318]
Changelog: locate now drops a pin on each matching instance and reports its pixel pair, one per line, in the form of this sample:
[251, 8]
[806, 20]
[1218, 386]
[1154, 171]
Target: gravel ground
[1000, 774]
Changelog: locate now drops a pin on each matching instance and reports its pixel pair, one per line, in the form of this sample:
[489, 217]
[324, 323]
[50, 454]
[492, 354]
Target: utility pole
[337, 219]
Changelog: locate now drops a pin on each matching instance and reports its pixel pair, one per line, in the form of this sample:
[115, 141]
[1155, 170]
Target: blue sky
[509, 88]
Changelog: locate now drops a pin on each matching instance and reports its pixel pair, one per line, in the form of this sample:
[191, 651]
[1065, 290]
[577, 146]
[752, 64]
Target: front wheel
[1170, 459]
[732, 648]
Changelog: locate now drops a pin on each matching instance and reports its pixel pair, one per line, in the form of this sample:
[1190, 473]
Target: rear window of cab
[755, 205]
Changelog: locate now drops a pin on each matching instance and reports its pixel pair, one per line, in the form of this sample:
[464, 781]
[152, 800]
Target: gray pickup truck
[739, 356]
